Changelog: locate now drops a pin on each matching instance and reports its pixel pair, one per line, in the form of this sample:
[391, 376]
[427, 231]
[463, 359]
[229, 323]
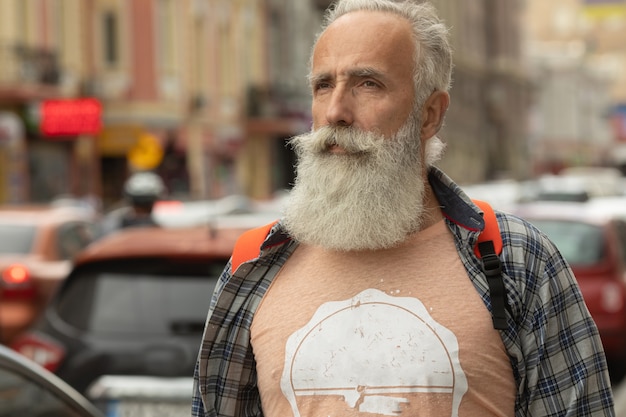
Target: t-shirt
[395, 332]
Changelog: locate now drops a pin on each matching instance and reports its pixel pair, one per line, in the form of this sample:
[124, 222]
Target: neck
[432, 208]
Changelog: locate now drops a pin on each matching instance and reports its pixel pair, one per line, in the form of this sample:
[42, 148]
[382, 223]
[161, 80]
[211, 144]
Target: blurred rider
[141, 190]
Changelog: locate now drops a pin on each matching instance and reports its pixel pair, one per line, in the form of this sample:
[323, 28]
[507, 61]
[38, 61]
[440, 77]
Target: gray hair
[433, 53]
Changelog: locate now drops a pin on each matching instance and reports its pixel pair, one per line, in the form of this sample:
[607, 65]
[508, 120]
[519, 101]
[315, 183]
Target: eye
[322, 85]
[370, 84]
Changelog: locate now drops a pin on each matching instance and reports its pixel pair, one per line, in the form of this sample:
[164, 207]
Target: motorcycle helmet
[144, 188]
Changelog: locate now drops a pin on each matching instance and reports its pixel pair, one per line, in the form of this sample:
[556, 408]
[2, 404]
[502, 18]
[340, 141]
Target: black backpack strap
[492, 268]
[488, 249]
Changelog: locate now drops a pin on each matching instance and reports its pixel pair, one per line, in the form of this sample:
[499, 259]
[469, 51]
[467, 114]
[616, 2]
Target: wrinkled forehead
[360, 36]
[367, 25]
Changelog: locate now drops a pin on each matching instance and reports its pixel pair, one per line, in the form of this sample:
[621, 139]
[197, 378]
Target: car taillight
[43, 351]
[17, 281]
[15, 275]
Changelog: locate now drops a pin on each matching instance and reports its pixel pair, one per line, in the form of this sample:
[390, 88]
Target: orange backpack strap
[487, 249]
[491, 230]
[248, 245]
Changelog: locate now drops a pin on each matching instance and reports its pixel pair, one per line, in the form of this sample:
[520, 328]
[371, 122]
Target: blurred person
[366, 297]
[141, 191]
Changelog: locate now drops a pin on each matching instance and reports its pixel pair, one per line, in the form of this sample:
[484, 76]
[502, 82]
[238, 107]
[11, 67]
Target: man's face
[362, 73]
[360, 174]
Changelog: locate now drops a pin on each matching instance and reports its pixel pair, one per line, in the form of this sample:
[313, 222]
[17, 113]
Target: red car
[37, 246]
[134, 305]
[591, 236]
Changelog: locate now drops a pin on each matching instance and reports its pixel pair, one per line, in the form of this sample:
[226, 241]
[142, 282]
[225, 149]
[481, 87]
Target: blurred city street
[201, 99]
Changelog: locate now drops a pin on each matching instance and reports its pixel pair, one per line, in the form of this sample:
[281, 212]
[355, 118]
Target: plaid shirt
[553, 344]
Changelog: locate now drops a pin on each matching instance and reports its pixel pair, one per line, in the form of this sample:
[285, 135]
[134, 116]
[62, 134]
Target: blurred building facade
[206, 93]
[486, 127]
[33, 67]
[578, 57]
[195, 76]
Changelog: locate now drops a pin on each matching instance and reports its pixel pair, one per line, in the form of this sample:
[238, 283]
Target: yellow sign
[147, 152]
[602, 9]
[118, 140]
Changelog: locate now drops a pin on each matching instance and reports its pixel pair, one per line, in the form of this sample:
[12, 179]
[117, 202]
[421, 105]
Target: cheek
[390, 120]
[318, 115]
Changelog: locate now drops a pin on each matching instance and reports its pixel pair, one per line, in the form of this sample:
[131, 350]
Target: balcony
[22, 64]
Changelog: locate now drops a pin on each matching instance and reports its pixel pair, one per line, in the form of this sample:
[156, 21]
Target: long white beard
[370, 197]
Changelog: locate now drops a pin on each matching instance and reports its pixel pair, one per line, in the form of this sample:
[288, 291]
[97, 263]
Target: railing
[21, 64]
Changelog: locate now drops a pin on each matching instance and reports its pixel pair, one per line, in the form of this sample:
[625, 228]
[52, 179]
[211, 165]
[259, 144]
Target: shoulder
[521, 238]
[537, 275]
[529, 255]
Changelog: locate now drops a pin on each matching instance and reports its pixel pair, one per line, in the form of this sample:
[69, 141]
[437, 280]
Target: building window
[110, 26]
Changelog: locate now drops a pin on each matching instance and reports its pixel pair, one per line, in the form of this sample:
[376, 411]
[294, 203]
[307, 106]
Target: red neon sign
[71, 117]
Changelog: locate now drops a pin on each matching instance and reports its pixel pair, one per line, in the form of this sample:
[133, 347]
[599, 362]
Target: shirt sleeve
[565, 367]
[197, 403]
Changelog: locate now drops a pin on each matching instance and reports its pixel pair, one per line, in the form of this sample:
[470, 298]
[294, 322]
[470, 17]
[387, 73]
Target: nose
[340, 110]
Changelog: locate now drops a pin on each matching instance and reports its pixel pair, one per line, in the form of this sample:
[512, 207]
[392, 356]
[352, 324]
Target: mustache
[351, 139]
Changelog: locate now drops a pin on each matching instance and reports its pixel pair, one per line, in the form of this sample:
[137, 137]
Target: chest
[399, 325]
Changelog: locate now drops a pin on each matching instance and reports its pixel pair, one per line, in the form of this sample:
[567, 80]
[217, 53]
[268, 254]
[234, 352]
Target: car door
[28, 390]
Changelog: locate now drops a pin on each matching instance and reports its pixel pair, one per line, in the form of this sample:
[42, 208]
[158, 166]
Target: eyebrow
[359, 72]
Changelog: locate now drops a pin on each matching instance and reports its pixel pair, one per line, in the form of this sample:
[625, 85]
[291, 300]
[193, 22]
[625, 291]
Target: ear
[433, 113]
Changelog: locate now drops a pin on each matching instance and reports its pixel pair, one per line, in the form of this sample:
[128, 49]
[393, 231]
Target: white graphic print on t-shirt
[376, 351]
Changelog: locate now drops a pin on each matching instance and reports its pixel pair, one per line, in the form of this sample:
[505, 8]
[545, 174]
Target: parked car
[231, 211]
[591, 236]
[134, 304]
[37, 246]
[28, 390]
[142, 396]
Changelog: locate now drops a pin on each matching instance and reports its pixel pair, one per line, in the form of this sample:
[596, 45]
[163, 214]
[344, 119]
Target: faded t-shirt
[399, 332]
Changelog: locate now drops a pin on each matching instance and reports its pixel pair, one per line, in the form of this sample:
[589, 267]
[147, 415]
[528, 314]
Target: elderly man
[366, 297]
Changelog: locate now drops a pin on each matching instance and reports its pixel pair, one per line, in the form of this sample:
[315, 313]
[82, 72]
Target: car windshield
[23, 395]
[16, 238]
[149, 297]
[581, 244]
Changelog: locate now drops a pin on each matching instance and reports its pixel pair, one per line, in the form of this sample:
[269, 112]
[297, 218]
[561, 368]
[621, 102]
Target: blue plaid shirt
[553, 343]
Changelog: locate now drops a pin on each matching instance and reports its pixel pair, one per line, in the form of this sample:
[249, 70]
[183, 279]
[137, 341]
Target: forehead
[365, 38]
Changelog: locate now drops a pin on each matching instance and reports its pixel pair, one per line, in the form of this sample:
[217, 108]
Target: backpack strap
[488, 247]
[491, 231]
[248, 245]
